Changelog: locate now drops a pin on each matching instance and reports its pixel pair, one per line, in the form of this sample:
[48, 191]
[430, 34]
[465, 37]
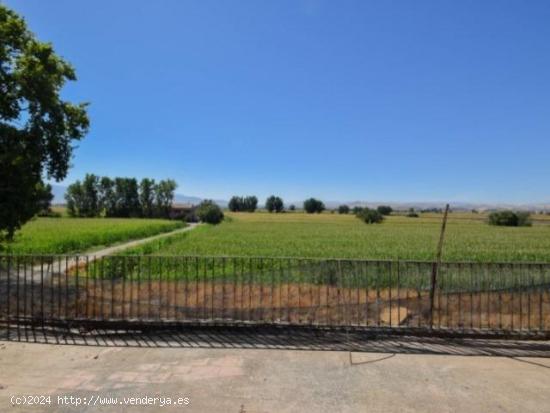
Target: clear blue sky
[343, 100]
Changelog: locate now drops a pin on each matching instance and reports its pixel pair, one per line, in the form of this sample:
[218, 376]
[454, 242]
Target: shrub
[274, 204]
[292, 207]
[510, 219]
[370, 216]
[385, 209]
[524, 219]
[343, 209]
[209, 212]
[313, 205]
[432, 210]
[49, 213]
[412, 213]
[356, 210]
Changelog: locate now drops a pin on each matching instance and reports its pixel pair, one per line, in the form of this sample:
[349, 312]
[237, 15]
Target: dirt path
[41, 272]
[130, 244]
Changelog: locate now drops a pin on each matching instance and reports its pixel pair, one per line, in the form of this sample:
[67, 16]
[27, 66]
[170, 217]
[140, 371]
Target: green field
[67, 235]
[469, 238]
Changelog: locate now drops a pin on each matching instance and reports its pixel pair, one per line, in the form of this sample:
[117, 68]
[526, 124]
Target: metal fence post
[437, 262]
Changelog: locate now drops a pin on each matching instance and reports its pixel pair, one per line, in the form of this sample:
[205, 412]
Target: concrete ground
[239, 380]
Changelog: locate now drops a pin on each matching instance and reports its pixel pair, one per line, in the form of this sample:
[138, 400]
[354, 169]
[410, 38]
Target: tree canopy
[313, 205]
[343, 209]
[208, 211]
[274, 204]
[370, 216]
[120, 197]
[385, 209]
[243, 204]
[510, 218]
[37, 127]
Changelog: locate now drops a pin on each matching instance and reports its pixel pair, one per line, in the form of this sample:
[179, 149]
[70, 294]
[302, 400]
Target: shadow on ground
[272, 337]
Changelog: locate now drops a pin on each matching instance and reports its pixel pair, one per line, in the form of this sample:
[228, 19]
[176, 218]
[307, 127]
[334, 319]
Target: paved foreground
[268, 380]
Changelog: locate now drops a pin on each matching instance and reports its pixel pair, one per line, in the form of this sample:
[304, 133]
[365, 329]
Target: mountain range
[59, 198]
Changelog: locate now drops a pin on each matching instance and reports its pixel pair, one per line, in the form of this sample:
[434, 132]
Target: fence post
[435, 266]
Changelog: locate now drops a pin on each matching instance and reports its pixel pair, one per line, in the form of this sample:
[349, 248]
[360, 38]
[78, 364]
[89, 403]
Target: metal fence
[394, 295]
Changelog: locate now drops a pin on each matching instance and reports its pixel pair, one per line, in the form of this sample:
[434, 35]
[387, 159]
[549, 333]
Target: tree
[250, 203]
[147, 197]
[292, 207]
[37, 127]
[356, 210]
[209, 212]
[343, 209]
[45, 198]
[510, 219]
[126, 198]
[274, 204]
[74, 197]
[235, 204]
[90, 191]
[370, 216]
[164, 195]
[313, 205]
[412, 213]
[243, 204]
[83, 198]
[107, 196]
[385, 209]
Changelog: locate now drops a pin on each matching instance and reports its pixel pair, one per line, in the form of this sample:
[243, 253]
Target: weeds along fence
[393, 295]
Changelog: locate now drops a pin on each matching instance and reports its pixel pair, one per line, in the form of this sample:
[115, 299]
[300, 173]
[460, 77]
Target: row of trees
[243, 204]
[382, 209]
[120, 197]
[250, 203]
[276, 204]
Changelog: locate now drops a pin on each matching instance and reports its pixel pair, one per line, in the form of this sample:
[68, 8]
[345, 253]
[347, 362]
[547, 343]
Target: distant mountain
[185, 199]
[59, 198]
[456, 206]
[195, 200]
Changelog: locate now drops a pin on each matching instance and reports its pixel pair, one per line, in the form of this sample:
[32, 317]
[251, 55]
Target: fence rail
[494, 297]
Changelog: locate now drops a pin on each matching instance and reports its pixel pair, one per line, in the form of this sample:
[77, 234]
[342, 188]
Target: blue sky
[351, 100]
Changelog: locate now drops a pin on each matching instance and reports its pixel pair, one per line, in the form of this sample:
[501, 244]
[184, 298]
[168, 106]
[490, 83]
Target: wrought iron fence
[288, 291]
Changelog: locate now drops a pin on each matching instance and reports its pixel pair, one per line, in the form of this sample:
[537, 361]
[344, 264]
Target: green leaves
[37, 127]
[313, 205]
[274, 204]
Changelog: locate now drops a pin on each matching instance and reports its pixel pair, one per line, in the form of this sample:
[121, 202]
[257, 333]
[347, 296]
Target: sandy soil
[291, 303]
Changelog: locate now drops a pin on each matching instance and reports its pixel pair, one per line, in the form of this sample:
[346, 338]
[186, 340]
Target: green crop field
[67, 235]
[468, 238]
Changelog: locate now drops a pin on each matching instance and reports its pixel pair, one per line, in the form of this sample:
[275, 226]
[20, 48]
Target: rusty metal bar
[437, 263]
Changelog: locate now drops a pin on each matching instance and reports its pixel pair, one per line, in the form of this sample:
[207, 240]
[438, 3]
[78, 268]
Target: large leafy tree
[147, 197]
[243, 204]
[107, 196]
[235, 203]
[164, 196]
[127, 198]
[83, 198]
[313, 205]
[274, 204]
[37, 127]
